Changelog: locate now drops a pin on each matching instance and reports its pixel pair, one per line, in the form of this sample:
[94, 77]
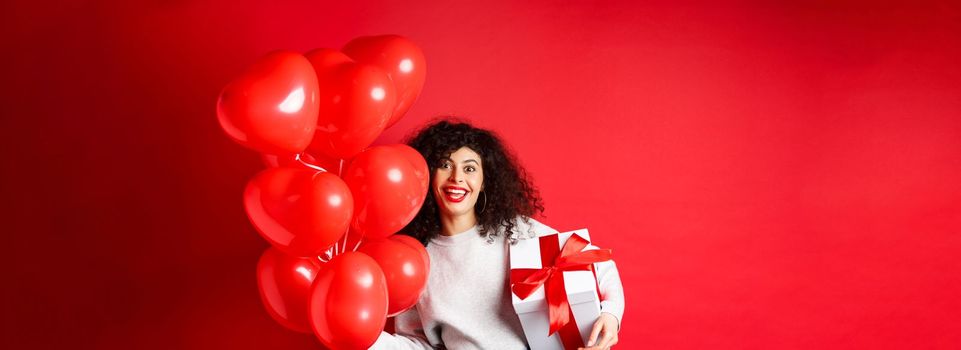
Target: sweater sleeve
[612, 292]
[409, 333]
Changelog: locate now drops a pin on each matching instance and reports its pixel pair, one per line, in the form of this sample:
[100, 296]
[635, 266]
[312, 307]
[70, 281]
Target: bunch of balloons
[335, 267]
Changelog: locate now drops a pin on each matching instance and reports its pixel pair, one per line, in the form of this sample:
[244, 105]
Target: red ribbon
[525, 282]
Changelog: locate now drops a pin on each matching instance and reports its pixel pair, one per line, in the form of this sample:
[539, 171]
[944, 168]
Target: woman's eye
[445, 166]
[469, 169]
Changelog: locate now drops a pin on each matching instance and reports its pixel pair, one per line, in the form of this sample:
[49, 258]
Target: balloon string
[340, 172]
[328, 254]
[312, 166]
[358, 244]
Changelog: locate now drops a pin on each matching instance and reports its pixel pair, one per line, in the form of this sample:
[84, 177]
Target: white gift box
[581, 289]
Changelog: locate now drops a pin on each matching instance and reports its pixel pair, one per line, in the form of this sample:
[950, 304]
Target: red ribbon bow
[525, 282]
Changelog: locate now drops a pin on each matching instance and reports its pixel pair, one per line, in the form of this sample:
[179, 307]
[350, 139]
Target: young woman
[480, 201]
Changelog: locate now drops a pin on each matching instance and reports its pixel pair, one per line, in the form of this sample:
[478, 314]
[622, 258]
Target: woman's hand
[606, 328]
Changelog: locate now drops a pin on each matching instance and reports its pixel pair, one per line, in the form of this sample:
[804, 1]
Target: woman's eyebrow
[464, 162]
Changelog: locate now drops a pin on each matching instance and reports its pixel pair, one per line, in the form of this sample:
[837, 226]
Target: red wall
[769, 176]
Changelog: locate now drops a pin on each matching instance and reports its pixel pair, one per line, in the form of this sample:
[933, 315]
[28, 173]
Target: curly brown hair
[508, 188]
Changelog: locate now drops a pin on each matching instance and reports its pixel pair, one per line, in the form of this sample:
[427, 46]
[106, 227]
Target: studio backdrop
[769, 176]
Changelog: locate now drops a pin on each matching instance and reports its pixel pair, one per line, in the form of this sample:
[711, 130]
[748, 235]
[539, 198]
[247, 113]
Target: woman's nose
[456, 176]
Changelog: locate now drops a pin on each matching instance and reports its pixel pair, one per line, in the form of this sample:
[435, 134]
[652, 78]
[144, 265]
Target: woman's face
[457, 182]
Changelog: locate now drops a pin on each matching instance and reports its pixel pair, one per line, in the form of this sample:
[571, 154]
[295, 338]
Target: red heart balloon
[413, 243]
[301, 212]
[324, 59]
[348, 302]
[284, 283]
[387, 189]
[414, 157]
[272, 107]
[356, 101]
[402, 60]
[404, 268]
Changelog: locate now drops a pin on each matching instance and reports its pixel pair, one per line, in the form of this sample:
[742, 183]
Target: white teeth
[456, 193]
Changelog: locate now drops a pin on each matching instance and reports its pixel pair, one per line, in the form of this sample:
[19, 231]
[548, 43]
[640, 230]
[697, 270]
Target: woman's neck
[453, 225]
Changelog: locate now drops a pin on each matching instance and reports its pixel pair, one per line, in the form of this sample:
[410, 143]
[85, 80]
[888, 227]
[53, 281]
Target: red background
[769, 176]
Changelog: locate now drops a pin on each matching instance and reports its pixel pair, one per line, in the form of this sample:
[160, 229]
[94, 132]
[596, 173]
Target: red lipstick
[455, 197]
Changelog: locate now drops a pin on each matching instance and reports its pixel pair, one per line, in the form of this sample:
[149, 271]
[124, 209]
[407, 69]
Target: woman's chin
[458, 210]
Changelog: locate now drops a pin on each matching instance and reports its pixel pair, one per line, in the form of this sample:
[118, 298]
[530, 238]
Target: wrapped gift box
[580, 286]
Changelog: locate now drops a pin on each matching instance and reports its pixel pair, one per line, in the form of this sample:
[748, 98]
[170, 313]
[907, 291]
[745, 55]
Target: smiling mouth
[455, 195]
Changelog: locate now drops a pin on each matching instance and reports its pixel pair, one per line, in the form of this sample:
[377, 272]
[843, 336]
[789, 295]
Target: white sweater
[467, 301]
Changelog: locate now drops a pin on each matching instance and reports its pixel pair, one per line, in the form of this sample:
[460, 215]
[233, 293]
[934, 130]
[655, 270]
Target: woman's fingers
[606, 338]
[598, 325]
[606, 328]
